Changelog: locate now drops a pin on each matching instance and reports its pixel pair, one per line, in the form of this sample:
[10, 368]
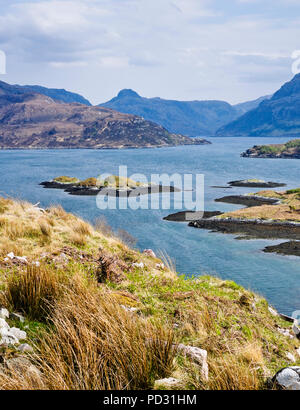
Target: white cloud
[174, 48]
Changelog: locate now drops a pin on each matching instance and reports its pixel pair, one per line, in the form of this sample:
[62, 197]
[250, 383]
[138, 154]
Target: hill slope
[277, 117]
[192, 118]
[31, 120]
[250, 105]
[102, 316]
[57, 94]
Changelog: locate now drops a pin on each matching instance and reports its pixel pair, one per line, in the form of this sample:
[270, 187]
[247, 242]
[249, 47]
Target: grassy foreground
[100, 315]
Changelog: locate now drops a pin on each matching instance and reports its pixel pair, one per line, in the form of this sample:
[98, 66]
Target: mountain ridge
[193, 118]
[32, 120]
[59, 94]
[278, 116]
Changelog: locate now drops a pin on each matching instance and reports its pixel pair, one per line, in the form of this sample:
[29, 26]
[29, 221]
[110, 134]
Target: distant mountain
[250, 105]
[193, 118]
[32, 120]
[277, 117]
[57, 94]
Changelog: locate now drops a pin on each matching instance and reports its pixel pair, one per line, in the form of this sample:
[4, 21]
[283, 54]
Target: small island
[290, 150]
[113, 185]
[276, 215]
[255, 183]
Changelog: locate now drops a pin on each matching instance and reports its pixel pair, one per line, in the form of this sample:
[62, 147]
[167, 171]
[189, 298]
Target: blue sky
[233, 50]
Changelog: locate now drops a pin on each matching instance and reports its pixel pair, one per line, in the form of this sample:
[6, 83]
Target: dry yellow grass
[91, 342]
[94, 344]
[288, 210]
[31, 291]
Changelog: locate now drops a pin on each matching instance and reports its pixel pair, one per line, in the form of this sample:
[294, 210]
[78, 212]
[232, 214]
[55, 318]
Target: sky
[232, 50]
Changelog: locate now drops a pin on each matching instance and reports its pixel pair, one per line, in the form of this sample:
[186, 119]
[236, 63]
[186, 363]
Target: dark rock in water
[257, 229]
[255, 184]
[187, 216]
[221, 187]
[247, 200]
[55, 185]
[286, 248]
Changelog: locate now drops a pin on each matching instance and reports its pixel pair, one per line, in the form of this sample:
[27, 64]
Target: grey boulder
[288, 378]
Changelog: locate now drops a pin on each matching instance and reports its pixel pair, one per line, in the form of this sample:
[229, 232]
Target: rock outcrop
[288, 378]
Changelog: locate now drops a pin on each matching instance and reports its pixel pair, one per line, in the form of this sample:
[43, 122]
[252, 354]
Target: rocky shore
[290, 150]
[286, 248]
[257, 229]
[187, 216]
[268, 215]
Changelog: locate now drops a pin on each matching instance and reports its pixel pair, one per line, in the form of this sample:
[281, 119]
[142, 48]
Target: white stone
[272, 311]
[290, 357]
[168, 383]
[8, 340]
[129, 309]
[3, 324]
[149, 252]
[138, 265]
[289, 378]
[25, 348]
[285, 332]
[197, 355]
[22, 259]
[4, 331]
[4, 313]
[19, 334]
[296, 329]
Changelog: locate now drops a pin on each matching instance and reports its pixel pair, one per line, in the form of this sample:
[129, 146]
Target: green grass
[66, 180]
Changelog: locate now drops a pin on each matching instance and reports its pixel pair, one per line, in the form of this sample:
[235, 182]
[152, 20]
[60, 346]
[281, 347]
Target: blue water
[195, 251]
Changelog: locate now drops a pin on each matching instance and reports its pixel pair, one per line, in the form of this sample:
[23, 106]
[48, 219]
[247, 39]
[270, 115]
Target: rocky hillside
[76, 302]
[276, 117]
[57, 94]
[193, 118]
[31, 120]
[289, 150]
[250, 105]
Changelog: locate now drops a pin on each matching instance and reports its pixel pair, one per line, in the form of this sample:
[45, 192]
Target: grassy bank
[100, 315]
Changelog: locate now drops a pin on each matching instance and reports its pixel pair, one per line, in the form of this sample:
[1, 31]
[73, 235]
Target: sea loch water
[196, 251]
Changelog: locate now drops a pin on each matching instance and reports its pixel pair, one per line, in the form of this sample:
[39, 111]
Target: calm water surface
[195, 251]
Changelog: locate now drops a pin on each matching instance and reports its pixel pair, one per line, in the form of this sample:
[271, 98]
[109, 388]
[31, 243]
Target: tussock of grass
[89, 182]
[30, 291]
[97, 345]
